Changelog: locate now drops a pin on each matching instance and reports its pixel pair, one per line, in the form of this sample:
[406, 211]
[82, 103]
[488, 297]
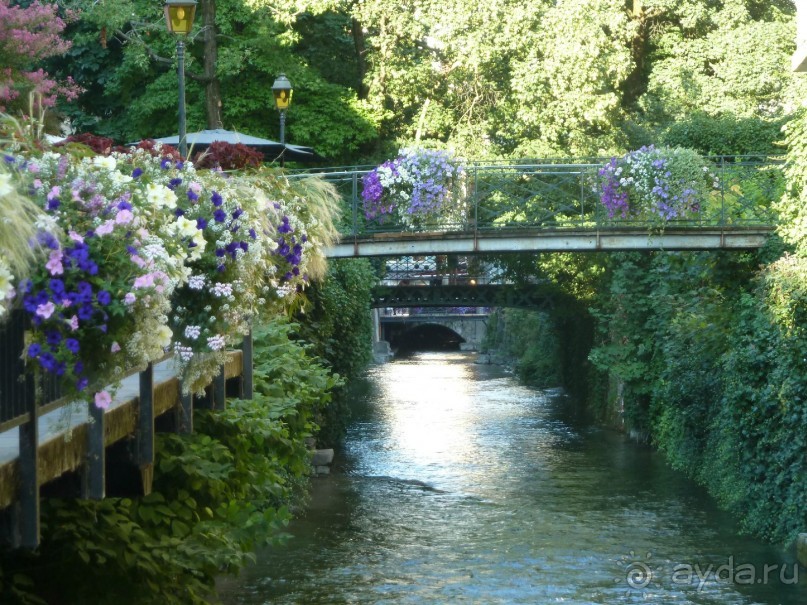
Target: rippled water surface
[457, 485]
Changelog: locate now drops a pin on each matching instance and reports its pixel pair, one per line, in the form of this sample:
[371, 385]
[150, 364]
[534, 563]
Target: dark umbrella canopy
[270, 149]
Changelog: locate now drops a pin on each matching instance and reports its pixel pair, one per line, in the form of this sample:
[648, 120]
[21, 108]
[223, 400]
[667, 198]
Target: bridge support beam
[28, 506]
[94, 487]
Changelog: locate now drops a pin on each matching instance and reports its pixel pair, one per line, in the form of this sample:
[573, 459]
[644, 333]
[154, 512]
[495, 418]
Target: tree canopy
[505, 78]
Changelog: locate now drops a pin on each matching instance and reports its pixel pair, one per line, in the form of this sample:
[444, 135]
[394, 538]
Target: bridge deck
[554, 240]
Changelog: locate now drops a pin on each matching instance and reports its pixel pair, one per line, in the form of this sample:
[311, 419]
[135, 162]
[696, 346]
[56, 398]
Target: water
[457, 485]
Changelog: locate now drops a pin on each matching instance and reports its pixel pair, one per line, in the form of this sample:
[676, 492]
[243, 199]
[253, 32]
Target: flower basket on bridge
[419, 189]
[661, 184]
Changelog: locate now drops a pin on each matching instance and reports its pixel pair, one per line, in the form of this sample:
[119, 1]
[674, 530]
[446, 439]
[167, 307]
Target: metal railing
[562, 194]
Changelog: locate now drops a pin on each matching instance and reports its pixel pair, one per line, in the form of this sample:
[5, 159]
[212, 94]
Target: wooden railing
[44, 453]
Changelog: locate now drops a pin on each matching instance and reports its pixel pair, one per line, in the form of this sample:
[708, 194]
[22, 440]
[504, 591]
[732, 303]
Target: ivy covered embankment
[709, 351]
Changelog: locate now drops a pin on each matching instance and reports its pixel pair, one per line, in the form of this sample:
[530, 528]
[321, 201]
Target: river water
[458, 485]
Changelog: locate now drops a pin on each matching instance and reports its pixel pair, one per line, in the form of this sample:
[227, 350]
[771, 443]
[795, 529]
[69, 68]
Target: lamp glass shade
[282, 91]
[179, 16]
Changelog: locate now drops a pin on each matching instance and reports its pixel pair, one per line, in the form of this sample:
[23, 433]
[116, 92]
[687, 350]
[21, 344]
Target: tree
[229, 76]
[29, 35]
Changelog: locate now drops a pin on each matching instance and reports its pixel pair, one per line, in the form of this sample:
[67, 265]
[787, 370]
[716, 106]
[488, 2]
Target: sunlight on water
[433, 419]
[457, 485]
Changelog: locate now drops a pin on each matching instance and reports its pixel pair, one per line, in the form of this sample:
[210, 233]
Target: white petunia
[5, 184]
[184, 227]
[160, 196]
[6, 278]
[108, 162]
[163, 336]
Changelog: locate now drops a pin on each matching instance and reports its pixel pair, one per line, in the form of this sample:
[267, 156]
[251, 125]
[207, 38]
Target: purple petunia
[72, 345]
[48, 361]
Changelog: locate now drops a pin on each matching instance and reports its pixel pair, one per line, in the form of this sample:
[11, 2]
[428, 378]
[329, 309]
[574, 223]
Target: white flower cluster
[7, 291]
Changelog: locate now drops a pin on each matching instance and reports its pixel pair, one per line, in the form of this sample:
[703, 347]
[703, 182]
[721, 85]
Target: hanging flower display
[667, 183]
[99, 303]
[139, 254]
[419, 188]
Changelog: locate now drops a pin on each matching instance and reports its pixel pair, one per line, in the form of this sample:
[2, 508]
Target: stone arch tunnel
[433, 333]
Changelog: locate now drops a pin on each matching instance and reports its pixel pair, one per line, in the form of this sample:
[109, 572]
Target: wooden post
[94, 485]
[246, 367]
[145, 429]
[29, 478]
[206, 401]
[185, 414]
[219, 390]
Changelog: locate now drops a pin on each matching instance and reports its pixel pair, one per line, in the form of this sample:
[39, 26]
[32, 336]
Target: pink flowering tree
[27, 37]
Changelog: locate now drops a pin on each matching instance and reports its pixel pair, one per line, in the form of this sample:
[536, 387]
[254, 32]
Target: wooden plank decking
[63, 432]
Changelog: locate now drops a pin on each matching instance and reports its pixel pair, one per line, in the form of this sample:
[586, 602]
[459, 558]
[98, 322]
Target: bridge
[464, 327]
[553, 206]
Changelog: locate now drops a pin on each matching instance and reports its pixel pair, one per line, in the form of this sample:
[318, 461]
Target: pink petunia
[124, 217]
[129, 299]
[115, 347]
[54, 264]
[105, 228]
[102, 400]
[73, 323]
[144, 281]
[75, 236]
[45, 310]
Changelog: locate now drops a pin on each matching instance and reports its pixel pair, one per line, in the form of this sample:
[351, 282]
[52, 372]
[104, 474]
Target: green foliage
[718, 58]
[567, 85]
[724, 134]
[792, 207]
[339, 324]
[530, 339]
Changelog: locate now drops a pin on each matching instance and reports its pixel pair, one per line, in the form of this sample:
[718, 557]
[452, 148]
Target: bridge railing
[562, 194]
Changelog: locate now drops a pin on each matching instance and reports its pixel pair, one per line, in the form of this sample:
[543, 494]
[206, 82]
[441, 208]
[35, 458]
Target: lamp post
[282, 90]
[179, 16]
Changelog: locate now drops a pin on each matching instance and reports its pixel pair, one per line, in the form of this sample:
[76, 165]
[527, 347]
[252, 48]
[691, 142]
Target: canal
[458, 485]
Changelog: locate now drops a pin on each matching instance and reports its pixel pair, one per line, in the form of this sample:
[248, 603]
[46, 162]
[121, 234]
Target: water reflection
[459, 485]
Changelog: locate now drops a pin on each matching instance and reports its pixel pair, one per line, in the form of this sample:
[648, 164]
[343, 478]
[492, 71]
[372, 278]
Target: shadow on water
[456, 484]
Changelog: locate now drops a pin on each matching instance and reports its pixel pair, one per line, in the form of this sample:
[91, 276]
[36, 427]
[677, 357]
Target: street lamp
[179, 16]
[282, 90]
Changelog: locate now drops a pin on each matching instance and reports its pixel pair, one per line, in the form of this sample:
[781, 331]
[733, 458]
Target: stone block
[322, 457]
[801, 549]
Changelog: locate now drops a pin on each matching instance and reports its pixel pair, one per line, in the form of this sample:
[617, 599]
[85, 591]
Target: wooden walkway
[74, 437]
[60, 424]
